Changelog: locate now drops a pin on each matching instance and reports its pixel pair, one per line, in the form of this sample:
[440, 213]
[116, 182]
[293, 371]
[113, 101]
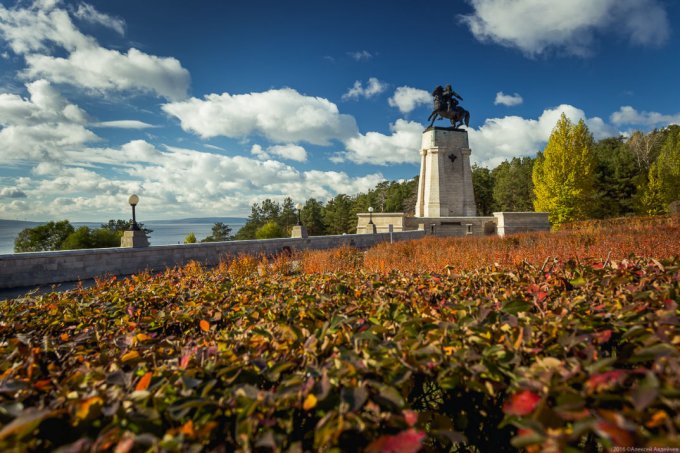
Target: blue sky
[203, 108]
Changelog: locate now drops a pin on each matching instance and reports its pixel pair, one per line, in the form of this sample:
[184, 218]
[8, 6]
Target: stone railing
[34, 269]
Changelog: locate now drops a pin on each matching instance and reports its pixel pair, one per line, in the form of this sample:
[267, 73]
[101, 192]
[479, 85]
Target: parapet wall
[521, 222]
[44, 268]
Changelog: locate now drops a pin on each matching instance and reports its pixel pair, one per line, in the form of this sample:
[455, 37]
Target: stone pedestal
[136, 238]
[445, 185]
[299, 231]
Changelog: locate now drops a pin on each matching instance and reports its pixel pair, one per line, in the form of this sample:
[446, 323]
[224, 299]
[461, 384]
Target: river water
[163, 233]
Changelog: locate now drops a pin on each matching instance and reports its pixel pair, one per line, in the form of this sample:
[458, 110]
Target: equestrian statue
[446, 106]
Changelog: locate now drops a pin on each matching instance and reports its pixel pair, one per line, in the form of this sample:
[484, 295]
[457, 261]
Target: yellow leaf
[131, 355]
[310, 402]
[143, 337]
[86, 407]
[518, 342]
[205, 325]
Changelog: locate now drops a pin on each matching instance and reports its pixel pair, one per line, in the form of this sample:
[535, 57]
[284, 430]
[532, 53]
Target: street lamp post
[299, 230]
[133, 200]
[134, 236]
[371, 226]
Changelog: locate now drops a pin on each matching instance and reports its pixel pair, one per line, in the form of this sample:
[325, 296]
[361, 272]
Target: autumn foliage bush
[580, 352]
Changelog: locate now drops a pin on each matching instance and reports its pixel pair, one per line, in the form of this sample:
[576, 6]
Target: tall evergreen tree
[312, 217]
[483, 183]
[564, 176]
[339, 216]
[288, 216]
[513, 188]
[617, 177]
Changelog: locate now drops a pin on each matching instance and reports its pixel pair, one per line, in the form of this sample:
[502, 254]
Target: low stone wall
[43, 268]
[521, 222]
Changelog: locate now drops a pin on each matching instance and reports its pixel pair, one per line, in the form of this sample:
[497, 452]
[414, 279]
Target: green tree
[288, 215]
[269, 230]
[564, 176]
[617, 177]
[513, 189]
[260, 213]
[652, 200]
[220, 232]
[120, 225]
[87, 238]
[312, 217]
[190, 238]
[44, 237]
[668, 166]
[339, 215]
[483, 183]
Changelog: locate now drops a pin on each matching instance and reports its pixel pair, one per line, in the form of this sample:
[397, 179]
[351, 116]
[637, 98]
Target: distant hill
[18, 224]
[202, 220]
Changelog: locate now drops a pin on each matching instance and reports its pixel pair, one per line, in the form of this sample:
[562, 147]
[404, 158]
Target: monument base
[135, 238]
[299, 231]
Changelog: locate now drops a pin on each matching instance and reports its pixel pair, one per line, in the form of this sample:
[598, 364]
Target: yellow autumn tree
[564, 176]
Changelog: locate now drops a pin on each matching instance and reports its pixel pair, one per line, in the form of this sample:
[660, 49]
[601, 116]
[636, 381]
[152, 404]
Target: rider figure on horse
[446, 106]
[450, 98]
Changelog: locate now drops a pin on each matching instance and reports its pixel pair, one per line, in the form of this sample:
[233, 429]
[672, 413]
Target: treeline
[576, 177]
[61, 235]
[271, 219]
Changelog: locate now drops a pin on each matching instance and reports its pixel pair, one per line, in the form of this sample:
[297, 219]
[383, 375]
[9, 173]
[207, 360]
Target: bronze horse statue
[446, 106]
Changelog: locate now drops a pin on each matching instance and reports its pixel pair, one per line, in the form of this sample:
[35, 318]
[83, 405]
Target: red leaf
[408, 441]
[618, 436]
[522, 403]
[603, 337]
[411, 417]
[205, 325]
[605, 380]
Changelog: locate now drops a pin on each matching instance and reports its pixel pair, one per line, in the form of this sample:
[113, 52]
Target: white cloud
[373, 88]
[508, 99]
[102, 70]
[499, 139]
[290, 152]
[401, 146]
[630, 116]
[361, 55]
[537, 26]
[406, 99]
[12, 192]
[96, 182]
[89, 14]
[124, 124]
[282, 116]
[39, 32]
[41, 127]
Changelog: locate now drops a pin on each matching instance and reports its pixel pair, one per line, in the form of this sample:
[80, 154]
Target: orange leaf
[205, 325]
[188, 429]
[309, 403]
[144, 382]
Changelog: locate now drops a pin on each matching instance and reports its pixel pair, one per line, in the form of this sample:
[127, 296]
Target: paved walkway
[14, 293]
